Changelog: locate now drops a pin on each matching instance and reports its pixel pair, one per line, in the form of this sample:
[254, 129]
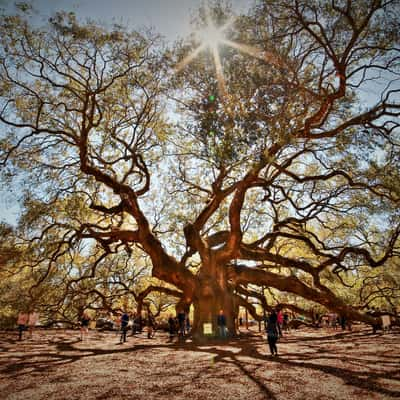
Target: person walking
[272, 333]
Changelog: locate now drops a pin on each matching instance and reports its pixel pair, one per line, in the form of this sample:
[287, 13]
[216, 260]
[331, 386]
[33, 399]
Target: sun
[211, 38]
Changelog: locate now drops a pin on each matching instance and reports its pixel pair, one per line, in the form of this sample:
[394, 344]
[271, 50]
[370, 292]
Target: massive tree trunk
[212, 294]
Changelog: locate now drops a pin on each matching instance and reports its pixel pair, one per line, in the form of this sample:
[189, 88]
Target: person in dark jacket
[124, 326]
[221, 323]
[182, 323]
[272, 333]
[171, 326]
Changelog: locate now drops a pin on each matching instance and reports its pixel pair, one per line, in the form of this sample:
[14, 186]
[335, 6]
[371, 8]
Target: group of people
[123, 322]
[276, 323]
[178, 325]
[135, 323]
[333, 321]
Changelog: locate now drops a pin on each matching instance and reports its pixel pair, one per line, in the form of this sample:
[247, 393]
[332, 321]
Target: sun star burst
[210, 38]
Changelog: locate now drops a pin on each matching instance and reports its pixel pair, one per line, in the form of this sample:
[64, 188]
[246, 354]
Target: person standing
[135, 323]
[286, 322]
[22, 322]
[171, 326]
[33, 319]
[187, 323]
[272, 333]
[279, 316]
[182, 323]
[85, 320]
[140, 322]
[151, 323]
[221, 323]
[124, 326]
[343, 322]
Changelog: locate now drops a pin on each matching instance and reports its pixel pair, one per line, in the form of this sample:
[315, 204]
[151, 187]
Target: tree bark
[213, 294]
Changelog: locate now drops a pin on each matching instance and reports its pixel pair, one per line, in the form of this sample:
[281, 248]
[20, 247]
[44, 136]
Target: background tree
[266, 180]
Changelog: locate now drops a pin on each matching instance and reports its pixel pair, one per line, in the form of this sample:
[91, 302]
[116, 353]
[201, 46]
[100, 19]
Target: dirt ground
[312, 364]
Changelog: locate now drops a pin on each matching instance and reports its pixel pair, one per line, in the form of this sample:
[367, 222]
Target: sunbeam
[254, 52]
[188, 59]
[211, 38]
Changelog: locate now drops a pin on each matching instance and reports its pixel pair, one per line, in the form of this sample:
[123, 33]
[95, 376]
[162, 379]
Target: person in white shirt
[33, 319]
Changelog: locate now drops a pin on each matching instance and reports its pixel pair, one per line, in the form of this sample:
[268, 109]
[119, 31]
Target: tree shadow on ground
[244, 354]
[367, 379]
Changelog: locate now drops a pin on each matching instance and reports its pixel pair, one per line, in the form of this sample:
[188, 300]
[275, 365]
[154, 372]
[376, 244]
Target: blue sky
[171, 18]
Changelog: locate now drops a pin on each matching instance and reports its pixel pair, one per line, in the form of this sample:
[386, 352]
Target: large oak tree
[277, 171]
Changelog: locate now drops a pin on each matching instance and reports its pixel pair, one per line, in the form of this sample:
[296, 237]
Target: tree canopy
[258, 166]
